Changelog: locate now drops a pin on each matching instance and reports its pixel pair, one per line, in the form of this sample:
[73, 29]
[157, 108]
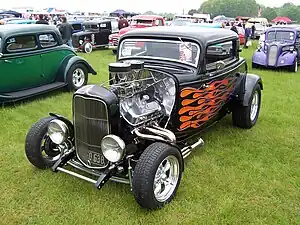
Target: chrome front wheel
[166, 178]
[157, 175]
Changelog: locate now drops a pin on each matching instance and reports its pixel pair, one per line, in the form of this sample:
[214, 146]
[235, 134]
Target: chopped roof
[200, 34]
[12, 29]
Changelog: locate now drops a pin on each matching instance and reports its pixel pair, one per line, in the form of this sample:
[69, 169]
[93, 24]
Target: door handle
[205, 86]
[7, 61]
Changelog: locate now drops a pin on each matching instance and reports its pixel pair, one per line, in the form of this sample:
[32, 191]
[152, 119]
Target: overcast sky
[128, 5]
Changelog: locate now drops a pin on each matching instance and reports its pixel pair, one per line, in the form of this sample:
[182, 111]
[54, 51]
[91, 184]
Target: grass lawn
[238, 177]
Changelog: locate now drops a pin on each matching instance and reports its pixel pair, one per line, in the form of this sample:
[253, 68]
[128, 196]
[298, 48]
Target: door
[201, 101]
[52, 56]
[20, 64]
[104, 32]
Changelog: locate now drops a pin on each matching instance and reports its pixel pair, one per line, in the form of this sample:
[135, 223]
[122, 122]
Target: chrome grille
[272, 55]
[91, 124]
[115, 41]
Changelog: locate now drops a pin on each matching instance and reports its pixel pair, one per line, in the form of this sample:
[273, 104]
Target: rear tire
[157, 175]
[246, 116]
[77, 76]
[114, 51]
[254, 65]
[294, 68]
[38, 142]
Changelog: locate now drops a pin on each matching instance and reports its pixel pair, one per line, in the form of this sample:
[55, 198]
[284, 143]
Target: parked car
[139, 21]
[21, 22]
[167, 86]
[8, 19]
[95, 35]
[182, 22]
[280, 49]
[207, 25]
[114, 23]
[33, 61]
[241, 33]
[259, 30]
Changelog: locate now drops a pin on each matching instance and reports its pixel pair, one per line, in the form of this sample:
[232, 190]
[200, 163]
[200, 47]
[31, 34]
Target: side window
[47, 40]
[158, 22]
[225, 52]
[21, 43]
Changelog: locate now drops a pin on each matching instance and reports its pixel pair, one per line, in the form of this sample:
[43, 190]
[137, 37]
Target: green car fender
[70, 61]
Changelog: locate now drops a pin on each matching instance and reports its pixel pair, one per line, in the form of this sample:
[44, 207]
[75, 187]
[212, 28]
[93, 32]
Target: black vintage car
[94, 35]
[166, 87]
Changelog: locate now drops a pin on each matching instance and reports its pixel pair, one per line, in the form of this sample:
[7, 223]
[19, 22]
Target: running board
[186, 151]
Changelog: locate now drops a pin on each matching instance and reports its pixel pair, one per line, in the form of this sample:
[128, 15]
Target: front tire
[254, 65]
[246, 116]
[39, 148]
[87, 47]
[157, 175]
[114, 51]
[294, 67]
[77, 76]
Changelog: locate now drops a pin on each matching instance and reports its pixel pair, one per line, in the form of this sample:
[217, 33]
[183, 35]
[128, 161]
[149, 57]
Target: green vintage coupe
[33, 60]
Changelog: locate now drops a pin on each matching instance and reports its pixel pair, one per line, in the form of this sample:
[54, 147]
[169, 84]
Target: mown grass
[239, 177]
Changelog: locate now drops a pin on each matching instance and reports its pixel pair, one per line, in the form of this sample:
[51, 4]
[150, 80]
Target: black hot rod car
[94, 35]
[166, 87]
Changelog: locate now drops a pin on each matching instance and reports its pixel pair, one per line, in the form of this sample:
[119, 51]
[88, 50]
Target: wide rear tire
[157, 175]
[246, 116]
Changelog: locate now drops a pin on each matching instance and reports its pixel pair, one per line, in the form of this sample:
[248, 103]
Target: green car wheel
[77, 77]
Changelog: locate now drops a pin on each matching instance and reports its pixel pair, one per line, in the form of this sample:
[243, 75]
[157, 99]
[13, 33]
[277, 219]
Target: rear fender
[70, 61]
[250, 81]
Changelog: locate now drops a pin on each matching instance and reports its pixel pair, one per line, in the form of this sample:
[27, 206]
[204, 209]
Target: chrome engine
[144, 95]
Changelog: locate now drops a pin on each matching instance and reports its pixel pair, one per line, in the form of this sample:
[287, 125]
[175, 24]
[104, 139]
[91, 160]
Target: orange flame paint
[200, 105]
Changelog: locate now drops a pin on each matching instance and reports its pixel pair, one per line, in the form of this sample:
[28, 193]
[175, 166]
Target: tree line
[233, 8]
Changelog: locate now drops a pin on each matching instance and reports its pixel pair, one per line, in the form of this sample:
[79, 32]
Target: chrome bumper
[101, 176]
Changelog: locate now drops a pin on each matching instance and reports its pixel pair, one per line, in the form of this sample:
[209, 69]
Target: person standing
[247, 35]
[253, 31]
[122, 23]
[66, 31]
[42, 20]
[233, 28]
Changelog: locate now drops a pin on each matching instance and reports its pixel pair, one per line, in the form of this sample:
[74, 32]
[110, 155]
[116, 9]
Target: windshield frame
[277, 31]
[195, 65]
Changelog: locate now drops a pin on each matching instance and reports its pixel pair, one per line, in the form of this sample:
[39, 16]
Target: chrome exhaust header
[157, 133]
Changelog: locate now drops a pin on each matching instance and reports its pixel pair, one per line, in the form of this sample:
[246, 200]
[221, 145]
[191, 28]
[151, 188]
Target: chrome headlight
[113, 148]
[58, 131]
[288, 48]
[81, 42]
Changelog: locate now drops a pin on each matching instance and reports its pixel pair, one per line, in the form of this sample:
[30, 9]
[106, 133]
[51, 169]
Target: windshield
[280, 36]
[186, 52]
[90, 27]
[141, 22]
